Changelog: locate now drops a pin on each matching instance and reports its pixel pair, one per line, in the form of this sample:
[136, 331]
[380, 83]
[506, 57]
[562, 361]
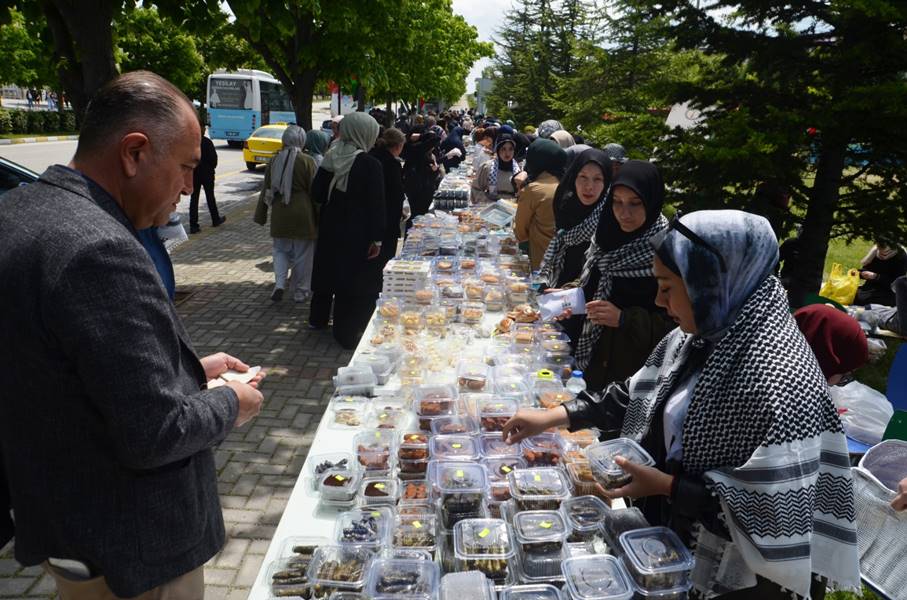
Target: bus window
[274, 97]
[235, 94]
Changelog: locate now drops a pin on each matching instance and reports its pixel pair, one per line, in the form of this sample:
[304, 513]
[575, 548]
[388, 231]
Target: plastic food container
[338, 487]
[551, 394]
[349, 380]
[474, 288]
[413, 445]
[484, 545]
[511, 386]
[445, 264]
[319, 464]
[378, 492]
[389, 417]
[349, 412]
[454, 447]
[540, 531]
[437, 318]
[584, 515]
[411, 318]
[469, 585]
[518, 291]
[617, 522]
[559, 346]
[601, 458]
[454, 424]
[499, 468]
[494, 298]
[416, 531]
[543, 450]
[492, 444]
[369, 527]
[389, 309]
[498, 493]
[596, 577]
[539, 489]
[288, 577]
[424, 297]
[381, 366]
[582, 438]
[433, 401]
[495, 413]
[541, 591]
[657, 561]
[402, 578]
[472, 312]
[375, 450]
[343, 567]
[472, 376]
[414, 491]
[580, 475]
[347, 596]
[461, 489]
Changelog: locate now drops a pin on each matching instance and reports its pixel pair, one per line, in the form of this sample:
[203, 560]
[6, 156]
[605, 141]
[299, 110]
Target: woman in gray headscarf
[316, 144]
[287, 193]
[349, 186]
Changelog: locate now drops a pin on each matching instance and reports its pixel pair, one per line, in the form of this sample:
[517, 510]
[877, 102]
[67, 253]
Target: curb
[35, 140]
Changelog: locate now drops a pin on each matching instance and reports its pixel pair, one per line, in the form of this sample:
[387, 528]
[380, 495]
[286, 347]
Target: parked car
[13, 175]
[263, 145]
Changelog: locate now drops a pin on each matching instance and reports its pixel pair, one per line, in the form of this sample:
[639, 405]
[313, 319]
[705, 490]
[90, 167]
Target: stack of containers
[658, 563]
[404, 579]
[402, 278]
[540, 538]
[339, 568]
[485, 545]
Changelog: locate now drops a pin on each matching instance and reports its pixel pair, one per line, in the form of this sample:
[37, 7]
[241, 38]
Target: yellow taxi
[263, 145]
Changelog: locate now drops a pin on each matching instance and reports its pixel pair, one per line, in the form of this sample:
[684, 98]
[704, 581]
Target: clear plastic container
[381, 366]
[389, 309]
[369, 527]
[318, 464]
[657, 561]
[414, 491]
[472, 376]
[472, 313]
[416, 531]
[559, 346]
[402, 578]
[433, 401]
[338, 595]
[580, 475]
[540, 531]
[492, 445]
[338, 486]
[454, 424]
[445, 264]
[498, 493]
[484, 545]
[597, 577]
[349, 412]
[601, 458]
[551, 394]
[543, 450]
[389, 417]
[468, 585]
[559, 363]
[454, 447]
[411, 318]
[437, 318]
[413, 445]
[460, 490]
[582, 438]
[495, 299]
[344, 567]
[511, 371]
[539, 489]
[617, 522]
[584, 515]
[539, 591]
[467, 264]
[288, 577]
[474, 288]
[495, 413]
[499, 468]
[511, 386]
[354, 376]
[378, 492]
[518, 291]
[425, 297]
[375, 450]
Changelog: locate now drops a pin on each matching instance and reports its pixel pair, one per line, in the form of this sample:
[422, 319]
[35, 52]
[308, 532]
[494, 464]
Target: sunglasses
[686, 232]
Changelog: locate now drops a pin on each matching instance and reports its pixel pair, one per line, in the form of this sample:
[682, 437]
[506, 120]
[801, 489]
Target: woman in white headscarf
[287, 193]
[751, 462]
[349, 186]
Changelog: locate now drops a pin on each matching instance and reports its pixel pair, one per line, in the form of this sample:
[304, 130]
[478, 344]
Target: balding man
[106, 423]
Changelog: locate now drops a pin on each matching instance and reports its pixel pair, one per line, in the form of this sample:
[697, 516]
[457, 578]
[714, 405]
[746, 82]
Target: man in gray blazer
[106, 423]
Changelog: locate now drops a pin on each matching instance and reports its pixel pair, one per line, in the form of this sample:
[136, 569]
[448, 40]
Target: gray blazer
[105, 428]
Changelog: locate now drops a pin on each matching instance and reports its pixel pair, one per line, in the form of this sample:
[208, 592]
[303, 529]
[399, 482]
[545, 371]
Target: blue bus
[240, 102]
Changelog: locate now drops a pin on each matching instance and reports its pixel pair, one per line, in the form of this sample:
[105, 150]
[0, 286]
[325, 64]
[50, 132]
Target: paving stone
[249, 570]
[215, 577]
[8, 566]
[44, 587]
[232, 554]
[15, 587]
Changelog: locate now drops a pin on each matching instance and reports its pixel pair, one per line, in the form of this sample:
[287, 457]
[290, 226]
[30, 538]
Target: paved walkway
[228, 274]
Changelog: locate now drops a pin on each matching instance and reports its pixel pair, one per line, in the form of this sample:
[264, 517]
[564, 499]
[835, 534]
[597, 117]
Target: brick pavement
[228, 273]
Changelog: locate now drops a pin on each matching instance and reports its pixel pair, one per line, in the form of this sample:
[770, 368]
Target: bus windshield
[230, 93]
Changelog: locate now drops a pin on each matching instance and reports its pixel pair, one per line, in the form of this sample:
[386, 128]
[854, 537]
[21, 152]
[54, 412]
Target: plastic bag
[554, 304]
[864, 411]
[841, 285]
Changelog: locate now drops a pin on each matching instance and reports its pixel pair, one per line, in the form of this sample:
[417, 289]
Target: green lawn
[16, 136]
[849, 255]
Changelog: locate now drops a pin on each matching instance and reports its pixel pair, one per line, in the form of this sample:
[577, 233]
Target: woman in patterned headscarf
[350, 188]
[494, 179]
[751, 462]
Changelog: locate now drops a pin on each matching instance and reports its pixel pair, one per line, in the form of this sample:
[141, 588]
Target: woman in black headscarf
[421, 171]
[622, 323]
[452, 149]
[534, 221]
[494, 179]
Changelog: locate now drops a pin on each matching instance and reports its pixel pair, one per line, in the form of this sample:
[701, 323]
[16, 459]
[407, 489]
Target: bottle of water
[576, 383]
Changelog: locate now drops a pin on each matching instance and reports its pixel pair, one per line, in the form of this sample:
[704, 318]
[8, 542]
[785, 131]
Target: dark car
[13, 175]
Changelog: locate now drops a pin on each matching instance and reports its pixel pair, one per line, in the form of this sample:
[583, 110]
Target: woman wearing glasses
[751, 461]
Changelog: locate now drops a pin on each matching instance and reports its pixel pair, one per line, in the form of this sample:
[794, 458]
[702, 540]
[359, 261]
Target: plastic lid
[492, 444]
[453, 424]
[499, 468]
[466, 585]
[454, 447]
[364, 527]
[459, 477]
[541, 591]
[602, 455]
[576, 373]
[325, 568]
[544, 442]
[482, 538]
[584, 513]
[402, 578]
[655, 550]
[545, 482]
[596, 577]
[498, 407]
[539, 526]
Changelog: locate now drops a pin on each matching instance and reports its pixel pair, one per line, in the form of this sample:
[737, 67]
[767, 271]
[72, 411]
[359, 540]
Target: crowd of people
[686, 341]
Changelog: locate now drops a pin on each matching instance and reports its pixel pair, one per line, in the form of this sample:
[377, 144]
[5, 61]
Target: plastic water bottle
[576, 383]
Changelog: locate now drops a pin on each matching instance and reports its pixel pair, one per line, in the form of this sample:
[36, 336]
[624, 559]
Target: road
[233, 183]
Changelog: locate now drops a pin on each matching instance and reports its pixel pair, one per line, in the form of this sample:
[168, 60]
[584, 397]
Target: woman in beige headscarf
[349, 186]
[563, 138]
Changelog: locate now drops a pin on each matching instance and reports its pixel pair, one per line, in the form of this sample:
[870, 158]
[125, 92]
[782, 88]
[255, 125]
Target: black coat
[208, 163]
[393, 200]
[350, 222]
[105, 428]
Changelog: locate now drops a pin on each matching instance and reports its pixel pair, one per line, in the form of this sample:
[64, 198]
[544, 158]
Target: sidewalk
[227, 273]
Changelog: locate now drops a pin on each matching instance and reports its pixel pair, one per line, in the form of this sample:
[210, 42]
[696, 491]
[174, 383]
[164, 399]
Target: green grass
[848, 255]
[867, 595]
[16, 136]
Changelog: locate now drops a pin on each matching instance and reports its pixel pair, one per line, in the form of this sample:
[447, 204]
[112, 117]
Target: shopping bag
[864, 411]
[841, 285]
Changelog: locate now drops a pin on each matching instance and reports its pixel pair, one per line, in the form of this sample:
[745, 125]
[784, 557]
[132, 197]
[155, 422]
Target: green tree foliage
[23, 46]
[146, 40]
[809, 95]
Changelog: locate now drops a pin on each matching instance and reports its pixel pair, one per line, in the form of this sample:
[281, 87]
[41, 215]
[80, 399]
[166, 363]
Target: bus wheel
[251, 165]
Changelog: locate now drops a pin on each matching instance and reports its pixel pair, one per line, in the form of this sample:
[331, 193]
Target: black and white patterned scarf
[553, 261]
[633, 259]
[493, 175]
[762, 431]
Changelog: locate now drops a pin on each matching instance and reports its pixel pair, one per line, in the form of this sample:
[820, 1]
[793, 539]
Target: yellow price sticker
[456, 446]
[415, 437]
[506, 469]
[339, 477]
[537, 477]
[376, 514]
[417, 524]
[484, 533]
[378, 434]
[379, 486]
[546, 524]
[460, 473]
[382, 416]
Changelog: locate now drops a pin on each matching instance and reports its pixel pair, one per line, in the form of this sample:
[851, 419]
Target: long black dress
[393, 201]
[342, 273]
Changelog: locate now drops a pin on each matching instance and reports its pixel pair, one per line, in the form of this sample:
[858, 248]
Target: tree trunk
[360, 98]
[389, 115]
[303, 90]
[806, 273]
